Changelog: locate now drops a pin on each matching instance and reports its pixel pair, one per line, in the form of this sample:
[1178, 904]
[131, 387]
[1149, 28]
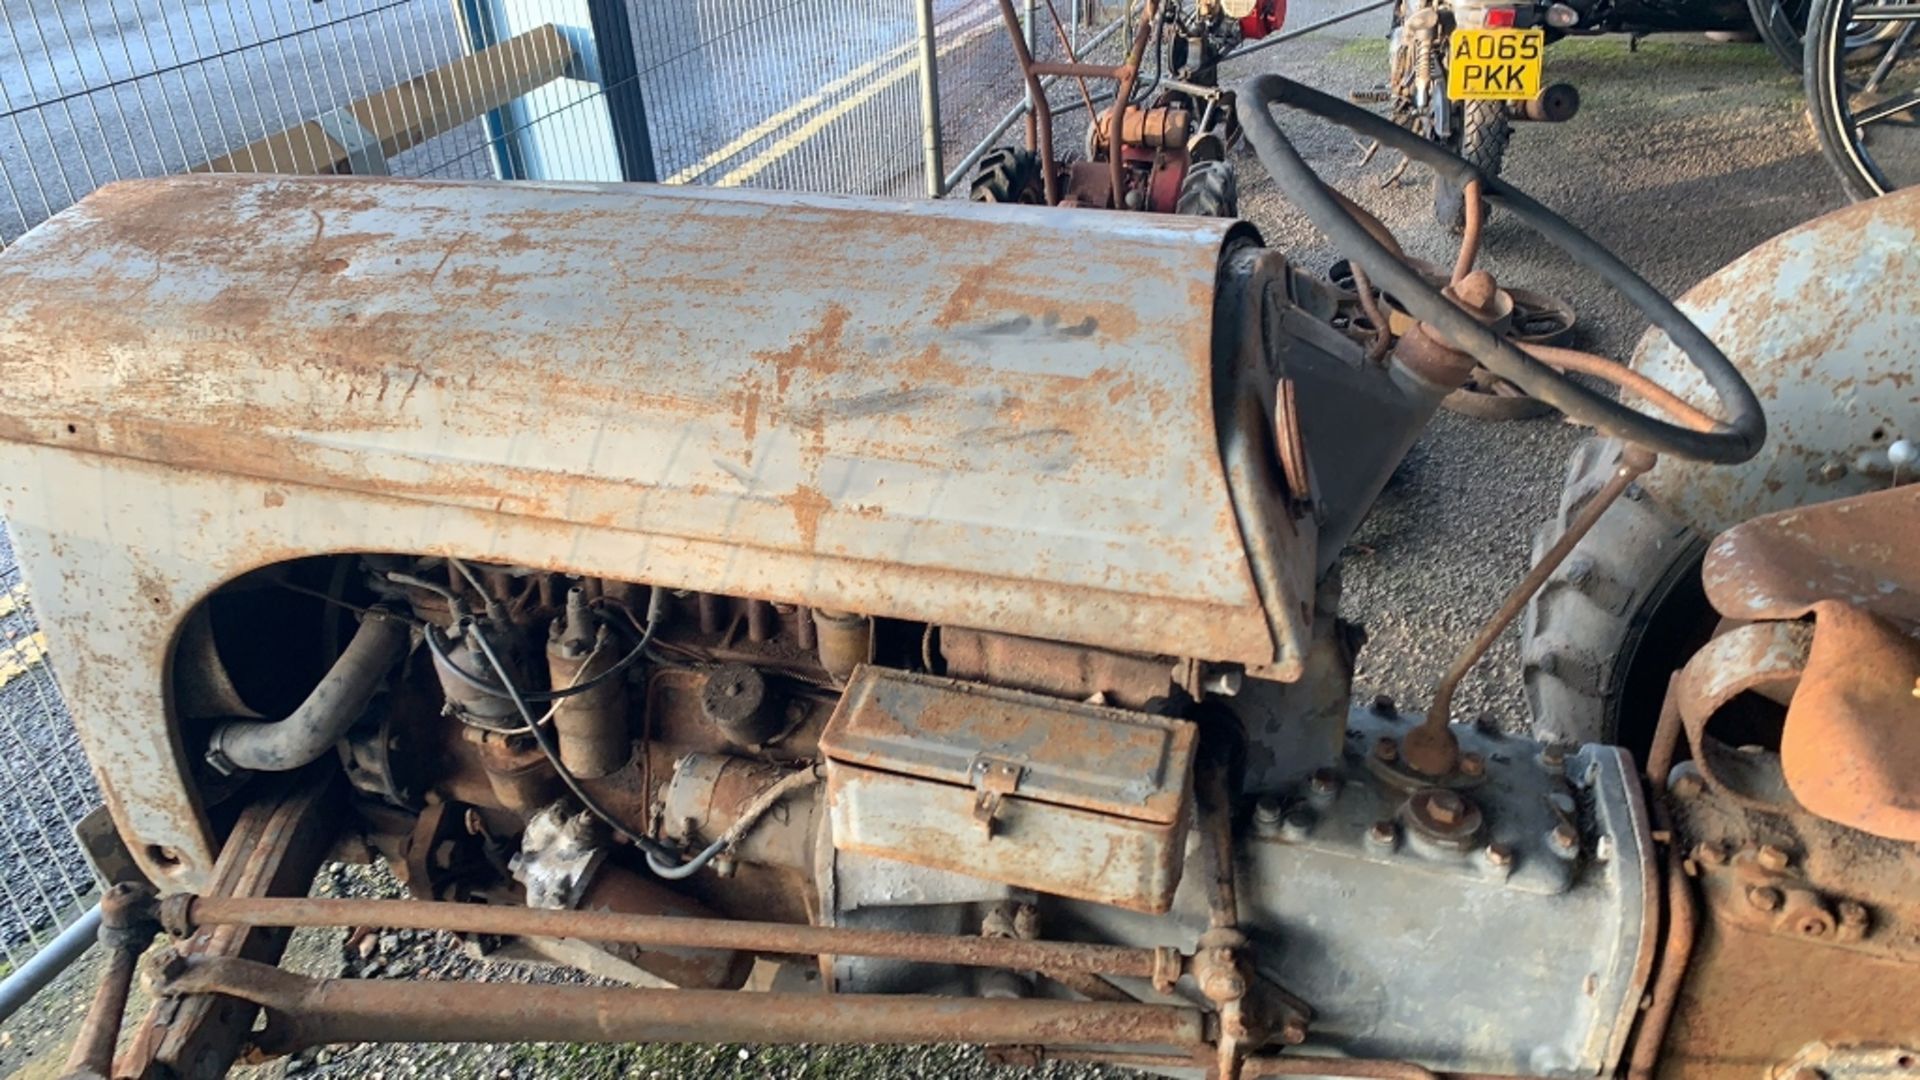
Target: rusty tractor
[952, 652]
[1161, 147]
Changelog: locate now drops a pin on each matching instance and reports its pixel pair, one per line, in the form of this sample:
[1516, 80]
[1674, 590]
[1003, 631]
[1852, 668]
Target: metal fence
[45, 785]
[890, 97]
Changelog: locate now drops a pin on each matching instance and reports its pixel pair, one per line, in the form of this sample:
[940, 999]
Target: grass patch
[1695, 54]
[1368, 48]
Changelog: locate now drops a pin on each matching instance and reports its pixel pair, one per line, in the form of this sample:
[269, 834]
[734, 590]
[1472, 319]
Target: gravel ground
[1686, 154]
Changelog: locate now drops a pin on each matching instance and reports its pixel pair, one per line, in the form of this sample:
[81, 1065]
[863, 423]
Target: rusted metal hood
[995, 417]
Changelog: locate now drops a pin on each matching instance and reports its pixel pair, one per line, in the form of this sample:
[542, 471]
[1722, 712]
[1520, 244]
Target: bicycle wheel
[1783, 26]
[1865, 100]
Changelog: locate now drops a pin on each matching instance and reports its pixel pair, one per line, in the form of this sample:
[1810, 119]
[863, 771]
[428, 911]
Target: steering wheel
[1728, 441]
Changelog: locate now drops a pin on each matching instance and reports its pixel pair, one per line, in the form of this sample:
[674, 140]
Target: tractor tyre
[1623, 611]
[1007, 175]
[1210, 189]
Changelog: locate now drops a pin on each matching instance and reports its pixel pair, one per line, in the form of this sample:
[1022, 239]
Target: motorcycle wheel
[1868, 133]
[1481, 138]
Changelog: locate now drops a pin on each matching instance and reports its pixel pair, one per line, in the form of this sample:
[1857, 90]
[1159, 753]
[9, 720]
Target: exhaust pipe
[1555, 104]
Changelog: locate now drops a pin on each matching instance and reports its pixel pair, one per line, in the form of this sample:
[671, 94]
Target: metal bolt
[1765, 898]
[1853, 914]
[1446, 808]
[1382, 832]
[1221, 682]
[1708, 853]
[1472, 765]
[1297, 824]
[1553, 756]
[170, 964]
[1499, 855]
[1833, 470]
[1324, 782]
[1386, 749]
[1687, 786]
[1266, 812]
[1771, 858]
[1294, 1031]
[1383, 705]
[1564, 838]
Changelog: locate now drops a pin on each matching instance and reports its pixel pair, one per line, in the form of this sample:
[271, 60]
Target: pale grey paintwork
[979, 416]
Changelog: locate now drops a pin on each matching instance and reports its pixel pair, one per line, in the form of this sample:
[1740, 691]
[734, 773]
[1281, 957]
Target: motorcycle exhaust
[1552, 105]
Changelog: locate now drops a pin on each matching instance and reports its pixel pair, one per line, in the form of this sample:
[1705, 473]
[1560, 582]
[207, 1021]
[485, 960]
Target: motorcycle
[1463, 72]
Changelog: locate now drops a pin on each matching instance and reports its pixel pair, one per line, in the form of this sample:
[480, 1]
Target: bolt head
[1382, 832]
[1446, 808]
[1708, 853]
[1299, 820]
[1472, 765]
[170, 964]
[1325, 781]
[1294, 1031]
[1499, 855]
[1564, 838]
[1771, 858]
[1852, 913]
[1386, 749]
[1765, 898]
[1553, 755]
[1267, 811]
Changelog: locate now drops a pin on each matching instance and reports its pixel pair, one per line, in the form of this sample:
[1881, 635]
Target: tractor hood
[998, 417]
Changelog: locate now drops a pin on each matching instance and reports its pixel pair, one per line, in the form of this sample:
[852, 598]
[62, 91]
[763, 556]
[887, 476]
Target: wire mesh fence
[45, 785]
[982, 95]
[93, 91]
[818, 95]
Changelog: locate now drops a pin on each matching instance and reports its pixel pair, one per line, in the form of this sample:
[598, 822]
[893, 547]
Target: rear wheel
[1210, 189]
[1007, 175]
[1625, 609]
[1481, 137]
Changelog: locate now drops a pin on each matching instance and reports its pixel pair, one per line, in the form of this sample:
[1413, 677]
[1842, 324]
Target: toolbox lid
[1092, 757]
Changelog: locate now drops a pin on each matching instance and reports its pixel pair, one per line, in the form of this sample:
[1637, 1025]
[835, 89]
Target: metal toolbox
[1061, 797]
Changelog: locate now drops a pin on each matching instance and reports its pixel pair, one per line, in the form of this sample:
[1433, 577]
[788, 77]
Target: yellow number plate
[1495, 65]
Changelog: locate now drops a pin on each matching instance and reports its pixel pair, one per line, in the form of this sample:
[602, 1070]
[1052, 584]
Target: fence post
[620, 84]
[930, 133]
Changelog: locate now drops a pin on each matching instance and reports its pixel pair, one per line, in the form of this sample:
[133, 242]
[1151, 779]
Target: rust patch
[807, 504]
[816, 353]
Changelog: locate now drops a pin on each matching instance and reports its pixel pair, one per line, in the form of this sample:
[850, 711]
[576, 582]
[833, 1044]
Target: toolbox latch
[993, 781]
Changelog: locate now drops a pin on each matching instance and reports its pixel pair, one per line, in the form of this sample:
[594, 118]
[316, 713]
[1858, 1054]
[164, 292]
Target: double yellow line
[879, 74]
